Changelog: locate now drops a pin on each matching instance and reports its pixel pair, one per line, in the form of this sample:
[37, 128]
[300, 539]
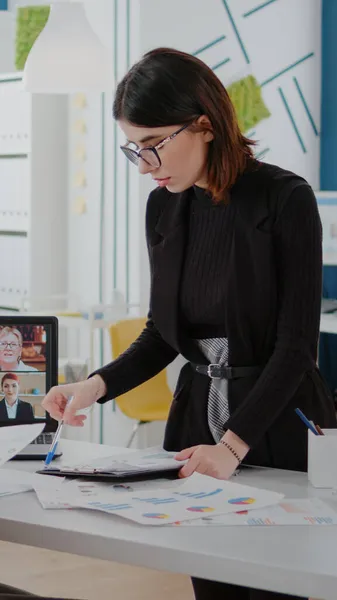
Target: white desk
[300, 560]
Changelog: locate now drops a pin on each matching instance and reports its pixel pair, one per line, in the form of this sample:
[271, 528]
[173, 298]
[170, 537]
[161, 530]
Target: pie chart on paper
[241, 501]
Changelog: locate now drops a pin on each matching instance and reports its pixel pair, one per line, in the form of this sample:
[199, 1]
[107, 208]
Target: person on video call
[11, 349]
[11, 407]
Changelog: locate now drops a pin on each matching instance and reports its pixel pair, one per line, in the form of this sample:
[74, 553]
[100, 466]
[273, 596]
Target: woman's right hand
[84, 394]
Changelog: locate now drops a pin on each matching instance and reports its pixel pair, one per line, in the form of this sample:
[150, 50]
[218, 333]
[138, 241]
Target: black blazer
[271, 315]
[24, 411]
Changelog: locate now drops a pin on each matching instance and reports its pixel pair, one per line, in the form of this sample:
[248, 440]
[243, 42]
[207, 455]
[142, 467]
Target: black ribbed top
[203, 282]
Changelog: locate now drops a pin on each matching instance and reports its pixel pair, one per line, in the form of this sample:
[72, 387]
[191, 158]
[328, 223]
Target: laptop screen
[28, 368]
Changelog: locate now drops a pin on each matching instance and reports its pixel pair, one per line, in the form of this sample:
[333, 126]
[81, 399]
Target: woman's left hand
[215, 461]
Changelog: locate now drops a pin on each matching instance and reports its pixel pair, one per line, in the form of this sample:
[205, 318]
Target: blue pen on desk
[306, 421]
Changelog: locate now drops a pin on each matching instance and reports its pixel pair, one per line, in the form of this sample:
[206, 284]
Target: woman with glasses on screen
[11, 349]
[236, 270]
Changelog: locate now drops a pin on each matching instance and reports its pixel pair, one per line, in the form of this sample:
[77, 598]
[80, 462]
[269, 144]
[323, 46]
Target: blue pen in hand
[53, 447]
[306, 421]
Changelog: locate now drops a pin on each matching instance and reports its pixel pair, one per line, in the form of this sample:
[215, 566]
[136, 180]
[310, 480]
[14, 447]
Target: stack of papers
[198, 500]
[187, 499]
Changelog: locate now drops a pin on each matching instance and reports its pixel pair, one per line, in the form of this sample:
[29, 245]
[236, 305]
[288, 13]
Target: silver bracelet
[231, 449]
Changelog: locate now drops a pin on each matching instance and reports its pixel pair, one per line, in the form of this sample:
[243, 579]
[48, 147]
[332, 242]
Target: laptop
[28, 369]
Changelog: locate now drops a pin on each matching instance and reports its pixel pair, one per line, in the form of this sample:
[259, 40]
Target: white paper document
[65, 493]
[13, 479]
[188, 499]
[15, 438]
[8, 490]
[12, 440]
[291, 512]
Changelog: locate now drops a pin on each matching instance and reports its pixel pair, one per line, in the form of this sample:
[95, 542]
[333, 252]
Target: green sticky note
[246, 96]
[29, 24]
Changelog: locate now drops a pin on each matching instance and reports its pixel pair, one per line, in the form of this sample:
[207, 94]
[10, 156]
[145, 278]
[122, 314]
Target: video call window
[23, 348]
[23, 360]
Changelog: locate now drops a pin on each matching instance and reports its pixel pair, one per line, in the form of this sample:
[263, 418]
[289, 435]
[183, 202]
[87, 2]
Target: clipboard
[113, 476]
[149, 463]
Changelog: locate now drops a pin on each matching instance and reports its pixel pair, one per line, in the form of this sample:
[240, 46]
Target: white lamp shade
[67, 57]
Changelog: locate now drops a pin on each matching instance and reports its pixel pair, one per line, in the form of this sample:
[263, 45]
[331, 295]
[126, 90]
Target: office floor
[64, 575]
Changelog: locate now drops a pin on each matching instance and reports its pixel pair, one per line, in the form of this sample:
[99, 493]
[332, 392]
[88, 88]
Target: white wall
[274, 37]
[113, 200]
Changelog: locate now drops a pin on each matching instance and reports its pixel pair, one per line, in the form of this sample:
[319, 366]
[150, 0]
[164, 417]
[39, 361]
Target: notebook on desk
[151, 463]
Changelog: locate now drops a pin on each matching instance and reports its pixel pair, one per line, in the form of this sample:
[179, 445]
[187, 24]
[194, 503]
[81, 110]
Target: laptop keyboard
[44, 438]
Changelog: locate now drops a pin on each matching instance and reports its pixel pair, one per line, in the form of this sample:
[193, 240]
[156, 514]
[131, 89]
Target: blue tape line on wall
[3, 5]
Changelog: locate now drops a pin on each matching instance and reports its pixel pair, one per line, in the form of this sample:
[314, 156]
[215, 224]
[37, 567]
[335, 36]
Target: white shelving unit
[33, 193]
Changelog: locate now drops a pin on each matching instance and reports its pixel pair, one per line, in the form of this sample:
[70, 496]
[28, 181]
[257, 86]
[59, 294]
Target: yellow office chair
[151, 400]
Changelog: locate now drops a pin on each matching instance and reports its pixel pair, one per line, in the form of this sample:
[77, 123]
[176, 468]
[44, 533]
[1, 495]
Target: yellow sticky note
[80, 179]
[79, 101]
[80, 126]
[79, 205]
[80, 152]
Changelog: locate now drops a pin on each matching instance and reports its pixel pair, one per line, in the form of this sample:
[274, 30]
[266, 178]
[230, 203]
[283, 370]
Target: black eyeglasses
[10, 345]
[150, 154]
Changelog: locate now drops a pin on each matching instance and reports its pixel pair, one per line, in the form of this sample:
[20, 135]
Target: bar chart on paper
[197, 496]
[289, 512]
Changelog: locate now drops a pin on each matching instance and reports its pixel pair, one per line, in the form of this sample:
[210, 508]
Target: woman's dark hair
[169, 87]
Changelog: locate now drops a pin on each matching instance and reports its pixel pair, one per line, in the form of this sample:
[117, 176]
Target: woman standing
[235, 254]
